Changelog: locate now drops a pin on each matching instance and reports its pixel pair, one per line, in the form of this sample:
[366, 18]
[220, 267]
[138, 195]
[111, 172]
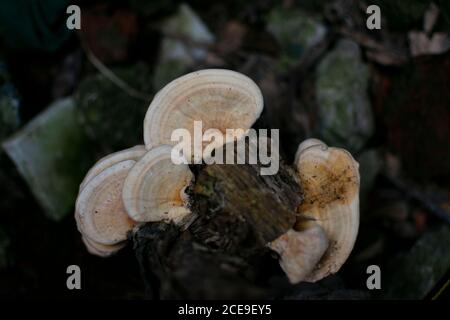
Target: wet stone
[344, 110]
[52, 155]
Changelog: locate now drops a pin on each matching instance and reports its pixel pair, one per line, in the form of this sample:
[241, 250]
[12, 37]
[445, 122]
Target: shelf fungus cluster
[144, 184]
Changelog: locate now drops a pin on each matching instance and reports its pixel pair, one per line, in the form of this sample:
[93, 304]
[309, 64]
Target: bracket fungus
[99, 249]
[149, 184]
[99, 212]
[328, 218]
[219, 98]
[134, 153]
[154, 190]
[330, 181]
[300, 251]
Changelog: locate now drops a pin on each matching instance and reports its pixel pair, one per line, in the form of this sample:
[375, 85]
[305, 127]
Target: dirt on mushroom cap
[330, 181]
[324, 185]
[101, 215]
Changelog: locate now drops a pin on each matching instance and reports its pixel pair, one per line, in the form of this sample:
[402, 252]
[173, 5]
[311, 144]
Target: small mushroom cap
[309, 143]
[154, 190]
[101, 250]
[134, 153]
[330, 181]
[99, 209]
[300, 251]
[219, 98]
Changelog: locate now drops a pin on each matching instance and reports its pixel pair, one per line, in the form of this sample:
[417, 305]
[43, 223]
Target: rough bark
[222, 253]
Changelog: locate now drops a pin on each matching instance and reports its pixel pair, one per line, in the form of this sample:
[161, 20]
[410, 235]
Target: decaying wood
[223, 253]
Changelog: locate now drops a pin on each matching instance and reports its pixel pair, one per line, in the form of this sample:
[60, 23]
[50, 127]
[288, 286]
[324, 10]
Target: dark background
[393, 107]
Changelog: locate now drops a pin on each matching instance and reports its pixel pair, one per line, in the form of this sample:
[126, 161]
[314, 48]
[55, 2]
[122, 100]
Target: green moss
[113, 118]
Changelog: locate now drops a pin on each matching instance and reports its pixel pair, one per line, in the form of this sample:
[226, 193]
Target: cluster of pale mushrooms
[142, 184]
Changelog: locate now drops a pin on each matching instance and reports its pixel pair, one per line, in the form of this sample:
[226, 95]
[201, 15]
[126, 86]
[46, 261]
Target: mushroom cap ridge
[154, 189]
[99, 209]
[219, 98]
[101, 250]
[133, 153]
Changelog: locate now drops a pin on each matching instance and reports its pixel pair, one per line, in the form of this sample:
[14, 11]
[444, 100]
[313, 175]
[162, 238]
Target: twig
[112, 76]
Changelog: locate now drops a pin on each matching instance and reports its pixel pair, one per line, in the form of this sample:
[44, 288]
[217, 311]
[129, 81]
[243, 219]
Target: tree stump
[222, 253]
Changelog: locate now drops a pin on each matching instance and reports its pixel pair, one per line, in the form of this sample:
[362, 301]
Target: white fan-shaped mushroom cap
[219, 98]
[101, 250]
[330, 181]
[134, 153]
[309, 143]
[154, 190]
[99, 209]
[300, 251]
